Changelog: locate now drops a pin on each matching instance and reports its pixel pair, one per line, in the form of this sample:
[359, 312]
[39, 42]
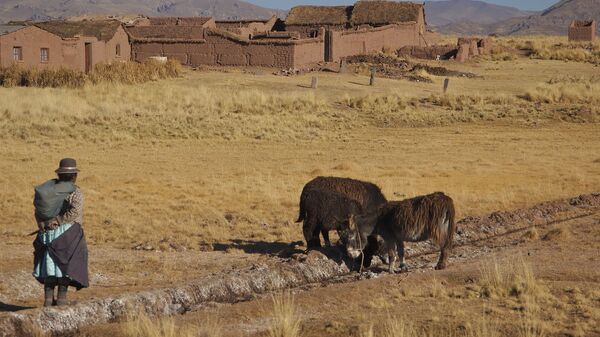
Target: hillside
[552, 21]
[440, 13]
[49, 9]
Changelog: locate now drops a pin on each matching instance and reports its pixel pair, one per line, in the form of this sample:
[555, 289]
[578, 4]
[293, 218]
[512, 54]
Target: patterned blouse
[72, 211]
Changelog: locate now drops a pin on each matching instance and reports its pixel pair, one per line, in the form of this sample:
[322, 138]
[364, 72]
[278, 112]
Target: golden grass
[145, 326]
[284, 317]
[115, 72]
[567, 90]
[211, 157]
[514, 278]
[553, 48]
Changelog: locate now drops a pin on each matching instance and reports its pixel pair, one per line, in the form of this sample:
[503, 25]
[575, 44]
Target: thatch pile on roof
[165, 33]
[6, 29]
[385, 12]
[582, 23]
[103, 30]
[179, 21]
[319, 15]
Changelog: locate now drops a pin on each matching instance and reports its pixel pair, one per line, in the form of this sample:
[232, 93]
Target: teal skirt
[46, 266]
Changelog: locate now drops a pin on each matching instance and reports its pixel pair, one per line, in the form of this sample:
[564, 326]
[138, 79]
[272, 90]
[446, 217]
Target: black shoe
[49, 285]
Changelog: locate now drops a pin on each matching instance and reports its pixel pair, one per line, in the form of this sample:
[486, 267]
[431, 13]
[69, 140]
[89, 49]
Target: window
[44, 55]
[18, 53]
[118, 50]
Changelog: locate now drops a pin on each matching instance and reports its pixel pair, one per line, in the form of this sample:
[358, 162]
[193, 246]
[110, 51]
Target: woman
[60, 247]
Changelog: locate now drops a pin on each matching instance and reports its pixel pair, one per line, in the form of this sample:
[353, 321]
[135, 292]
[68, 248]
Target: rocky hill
[440, 13]
[55, 9]
[552, 21]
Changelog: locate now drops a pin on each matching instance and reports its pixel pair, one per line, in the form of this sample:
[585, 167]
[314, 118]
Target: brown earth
[567, 243]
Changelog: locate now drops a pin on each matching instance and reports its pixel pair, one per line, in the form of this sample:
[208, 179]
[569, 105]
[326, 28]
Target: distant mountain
[441, 13]
[553, 21]
[56, 9]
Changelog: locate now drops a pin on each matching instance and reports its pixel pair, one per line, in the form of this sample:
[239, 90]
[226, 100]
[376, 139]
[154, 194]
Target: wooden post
[315, 82]
[446, 84]
[343, 66]
[372, 80]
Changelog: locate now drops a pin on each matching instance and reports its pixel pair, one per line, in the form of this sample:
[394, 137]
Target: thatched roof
[385, 12]
[318, 15]
[175, 33]
[7, 29]
[179, 21]
[582, 23]
[103, 30]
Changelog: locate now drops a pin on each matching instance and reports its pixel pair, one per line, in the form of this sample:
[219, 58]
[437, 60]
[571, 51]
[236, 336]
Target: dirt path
[478, 238]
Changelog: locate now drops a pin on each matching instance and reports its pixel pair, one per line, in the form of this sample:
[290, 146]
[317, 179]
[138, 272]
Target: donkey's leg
[403, 265]
[308, 229]
[445, 243]
[443, 259]
[392, 253]
[325, 234]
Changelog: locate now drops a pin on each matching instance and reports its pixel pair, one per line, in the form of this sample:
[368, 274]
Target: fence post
[372, 80]
[343, 66]
[315, 82]
[446, 84]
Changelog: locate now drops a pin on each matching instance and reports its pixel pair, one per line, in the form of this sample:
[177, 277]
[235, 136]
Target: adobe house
[195, 21]
[195, 46]
[582, 30]
[77, 45]
[313, 34]
[248, 28]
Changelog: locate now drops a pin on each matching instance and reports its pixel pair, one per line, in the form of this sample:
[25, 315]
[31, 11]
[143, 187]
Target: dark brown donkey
[417, 219]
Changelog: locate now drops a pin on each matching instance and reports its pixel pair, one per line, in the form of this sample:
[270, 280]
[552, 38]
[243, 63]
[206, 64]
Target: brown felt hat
[67, 165]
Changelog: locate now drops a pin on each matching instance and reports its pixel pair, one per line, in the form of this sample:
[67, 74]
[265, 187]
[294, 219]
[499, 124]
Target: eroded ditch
[245, 284]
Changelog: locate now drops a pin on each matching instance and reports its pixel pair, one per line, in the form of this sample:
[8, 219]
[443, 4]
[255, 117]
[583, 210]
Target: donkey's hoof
[440, 266]
[403, 267]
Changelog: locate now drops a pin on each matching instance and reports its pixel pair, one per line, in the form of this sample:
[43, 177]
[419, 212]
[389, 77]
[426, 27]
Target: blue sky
[286, 4]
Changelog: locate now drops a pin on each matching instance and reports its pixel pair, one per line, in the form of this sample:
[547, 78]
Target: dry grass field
[220, 157]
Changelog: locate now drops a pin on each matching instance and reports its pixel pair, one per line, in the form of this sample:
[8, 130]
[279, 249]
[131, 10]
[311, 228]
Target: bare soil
[564, 256]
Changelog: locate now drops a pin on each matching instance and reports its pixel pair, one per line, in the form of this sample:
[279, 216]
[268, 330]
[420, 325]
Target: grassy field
[223, 155]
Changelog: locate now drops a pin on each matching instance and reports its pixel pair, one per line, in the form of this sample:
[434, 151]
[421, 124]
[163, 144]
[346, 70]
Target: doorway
[88, 57]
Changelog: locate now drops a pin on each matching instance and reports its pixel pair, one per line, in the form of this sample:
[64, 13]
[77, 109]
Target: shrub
[115, 72]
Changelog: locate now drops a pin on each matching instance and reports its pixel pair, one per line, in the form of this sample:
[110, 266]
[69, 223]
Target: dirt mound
[397, 68]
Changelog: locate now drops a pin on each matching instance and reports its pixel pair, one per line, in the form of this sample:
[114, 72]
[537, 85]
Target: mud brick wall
[582, 31]
[309, 53]
[311, 31]
[348, 43]
[445, 52]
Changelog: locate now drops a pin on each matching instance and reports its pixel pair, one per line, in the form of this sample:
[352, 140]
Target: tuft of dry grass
[531, 234]
[509, 279]
[398, 327]
[144, 326]
[135, 73]
[558, 233]
[566, 91]
[284, 318]
[114, 72]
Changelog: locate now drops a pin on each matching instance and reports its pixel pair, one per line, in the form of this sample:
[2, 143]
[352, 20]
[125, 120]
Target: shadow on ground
[11, 307]
[283, 249]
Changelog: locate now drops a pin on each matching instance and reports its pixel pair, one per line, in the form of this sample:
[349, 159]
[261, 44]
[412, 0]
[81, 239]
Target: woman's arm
[74, 210]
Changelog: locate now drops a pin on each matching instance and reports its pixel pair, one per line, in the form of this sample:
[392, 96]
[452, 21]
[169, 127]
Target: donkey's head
[353, 240]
